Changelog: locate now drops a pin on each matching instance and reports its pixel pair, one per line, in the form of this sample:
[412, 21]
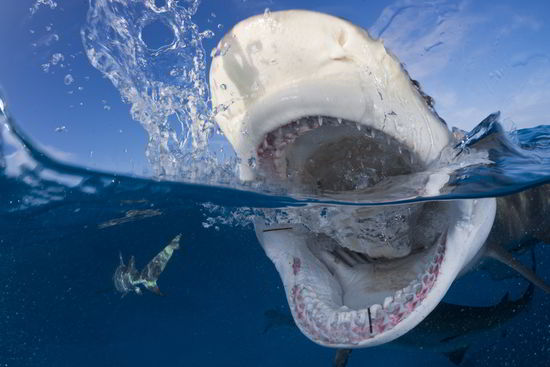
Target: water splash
[39, 3]
[166, 85]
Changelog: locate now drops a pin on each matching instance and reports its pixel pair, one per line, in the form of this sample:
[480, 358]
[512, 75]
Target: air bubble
[68, 80]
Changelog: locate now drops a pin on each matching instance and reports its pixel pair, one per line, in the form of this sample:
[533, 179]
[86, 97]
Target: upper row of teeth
[286, 134]
[275, 142]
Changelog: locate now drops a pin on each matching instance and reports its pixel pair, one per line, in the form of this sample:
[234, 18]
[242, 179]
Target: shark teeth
[272, 147]
[339, 325]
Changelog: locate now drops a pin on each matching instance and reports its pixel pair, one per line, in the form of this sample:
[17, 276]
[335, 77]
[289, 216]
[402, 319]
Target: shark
[312, 103]
[128, 279]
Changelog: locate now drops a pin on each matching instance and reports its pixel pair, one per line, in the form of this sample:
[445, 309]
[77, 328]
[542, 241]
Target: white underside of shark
[312, 99]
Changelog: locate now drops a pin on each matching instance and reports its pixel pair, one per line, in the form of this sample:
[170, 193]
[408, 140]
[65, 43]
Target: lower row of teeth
[328, 325]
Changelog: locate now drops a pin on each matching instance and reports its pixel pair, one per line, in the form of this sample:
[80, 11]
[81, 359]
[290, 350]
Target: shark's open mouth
[372, 267]
[322, 108]
[375, 294]
[327, 154]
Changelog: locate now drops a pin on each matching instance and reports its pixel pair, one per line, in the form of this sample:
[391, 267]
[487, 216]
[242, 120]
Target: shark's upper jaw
[330, 154]
[322, 107]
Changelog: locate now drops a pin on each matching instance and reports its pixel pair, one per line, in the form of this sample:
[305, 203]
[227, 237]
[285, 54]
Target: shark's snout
[323, 108]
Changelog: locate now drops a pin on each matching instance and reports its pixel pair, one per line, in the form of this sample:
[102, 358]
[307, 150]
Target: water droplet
[68, 80]
[220, 26]
[207, 34]
[223, 86]
[221, 50]
[2, 106]
[57, 58]
[61, 129]
[267, 12]
[80, 88]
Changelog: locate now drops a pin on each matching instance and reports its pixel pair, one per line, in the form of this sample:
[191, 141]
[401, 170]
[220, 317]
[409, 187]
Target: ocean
[64, 227]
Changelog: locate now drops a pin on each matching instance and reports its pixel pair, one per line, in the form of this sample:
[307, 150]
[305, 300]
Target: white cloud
[424, 35]
[472, 64]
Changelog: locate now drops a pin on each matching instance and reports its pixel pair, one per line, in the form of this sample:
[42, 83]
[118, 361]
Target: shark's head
[319, 105]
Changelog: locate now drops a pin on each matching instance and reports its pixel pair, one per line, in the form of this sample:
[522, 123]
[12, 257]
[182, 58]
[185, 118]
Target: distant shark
[312, 102]
[127, 279]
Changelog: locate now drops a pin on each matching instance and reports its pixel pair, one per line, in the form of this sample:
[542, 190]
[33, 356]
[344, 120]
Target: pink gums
[313, 318]
[296, 264]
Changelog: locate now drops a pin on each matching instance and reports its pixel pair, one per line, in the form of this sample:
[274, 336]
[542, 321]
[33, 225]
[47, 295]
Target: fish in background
[127, 278]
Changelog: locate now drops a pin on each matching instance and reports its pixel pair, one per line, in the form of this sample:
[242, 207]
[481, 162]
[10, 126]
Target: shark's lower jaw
[347, 299]
[372, 298]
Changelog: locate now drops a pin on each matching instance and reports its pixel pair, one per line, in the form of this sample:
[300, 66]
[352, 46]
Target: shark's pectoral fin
[457, 356]
[498, 253]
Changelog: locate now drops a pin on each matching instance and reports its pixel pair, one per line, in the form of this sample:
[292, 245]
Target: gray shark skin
[521, 220]
[522, 217]
[127, 279]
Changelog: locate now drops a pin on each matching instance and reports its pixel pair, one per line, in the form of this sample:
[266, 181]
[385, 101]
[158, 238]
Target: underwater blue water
[63, 226]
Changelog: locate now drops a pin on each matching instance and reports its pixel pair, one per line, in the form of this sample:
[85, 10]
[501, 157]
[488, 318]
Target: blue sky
[473, 57]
